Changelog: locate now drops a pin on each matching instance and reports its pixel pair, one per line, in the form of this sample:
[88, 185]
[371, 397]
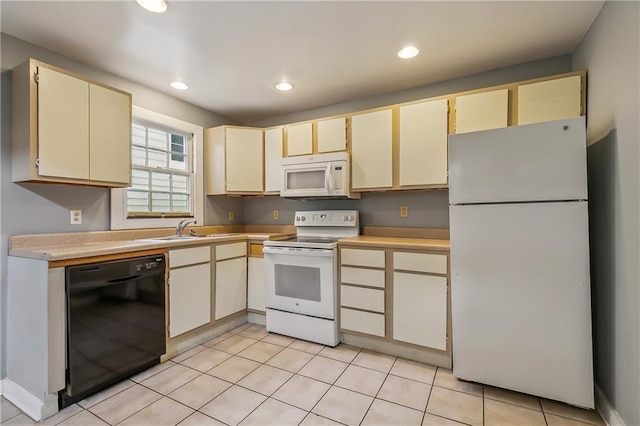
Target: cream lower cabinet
[189, 289]
[362, 291]
[256, 279]
[420, 299]
[231, 279]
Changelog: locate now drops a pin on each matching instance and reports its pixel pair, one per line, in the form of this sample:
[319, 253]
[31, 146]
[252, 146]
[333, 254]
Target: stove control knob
[351, 218]
[297, 218]
[303, 218]
[345, 218]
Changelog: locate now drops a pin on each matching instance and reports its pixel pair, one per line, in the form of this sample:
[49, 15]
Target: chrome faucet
[183, 224]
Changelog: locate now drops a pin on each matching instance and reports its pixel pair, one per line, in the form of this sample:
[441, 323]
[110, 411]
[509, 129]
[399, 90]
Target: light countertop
[397, 242]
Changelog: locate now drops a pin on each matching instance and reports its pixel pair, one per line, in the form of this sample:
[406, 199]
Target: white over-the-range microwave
[317, 176]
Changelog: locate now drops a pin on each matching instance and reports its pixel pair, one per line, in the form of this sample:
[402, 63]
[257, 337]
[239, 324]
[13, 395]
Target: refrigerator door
[535, 162]
[520, 298]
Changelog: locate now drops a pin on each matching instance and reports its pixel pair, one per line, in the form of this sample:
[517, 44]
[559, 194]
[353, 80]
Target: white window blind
[161, 172]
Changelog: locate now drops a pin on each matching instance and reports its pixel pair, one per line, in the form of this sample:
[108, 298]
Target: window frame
[119, 215]
[188, 171]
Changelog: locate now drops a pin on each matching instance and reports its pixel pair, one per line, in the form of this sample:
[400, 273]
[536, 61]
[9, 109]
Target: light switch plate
[276, 215]
[232, 216]
[404, 211]
[76, 217]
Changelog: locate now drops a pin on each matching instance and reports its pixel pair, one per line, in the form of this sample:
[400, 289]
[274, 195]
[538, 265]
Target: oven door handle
[284, 251]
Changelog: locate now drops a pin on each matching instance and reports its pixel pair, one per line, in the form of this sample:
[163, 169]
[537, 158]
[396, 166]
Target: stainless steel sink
[185, 237]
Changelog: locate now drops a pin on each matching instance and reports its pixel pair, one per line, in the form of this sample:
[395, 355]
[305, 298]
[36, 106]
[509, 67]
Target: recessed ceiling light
[157, 6]
[179, 85]
[408, 52]
[284, 86]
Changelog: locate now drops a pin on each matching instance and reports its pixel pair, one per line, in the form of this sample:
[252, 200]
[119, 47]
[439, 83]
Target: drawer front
[420, 262]
[189, 256]
[368, 277]
[363, 322]
[227, 251]
[362, 298]
[358, 257]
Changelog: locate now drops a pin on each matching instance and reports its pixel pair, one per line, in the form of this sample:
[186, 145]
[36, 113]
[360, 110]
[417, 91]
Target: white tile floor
[251, 377]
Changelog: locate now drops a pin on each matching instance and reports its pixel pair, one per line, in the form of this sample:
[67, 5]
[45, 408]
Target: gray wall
[610, 51]
[34, 208]
[426, 209]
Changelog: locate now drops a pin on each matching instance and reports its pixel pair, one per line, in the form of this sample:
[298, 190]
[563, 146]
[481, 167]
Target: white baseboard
[28, 403]
[256, 318]
[606, 410]
[2, 386]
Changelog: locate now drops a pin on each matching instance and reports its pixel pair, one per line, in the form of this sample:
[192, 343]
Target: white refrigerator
[520, 288]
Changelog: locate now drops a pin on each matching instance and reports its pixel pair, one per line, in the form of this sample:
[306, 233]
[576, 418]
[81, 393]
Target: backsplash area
[426, 209]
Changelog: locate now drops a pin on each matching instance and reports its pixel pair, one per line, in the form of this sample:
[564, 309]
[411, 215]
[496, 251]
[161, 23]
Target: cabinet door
[550, 100]
[244, 160]
[256, 290]
[371, 147]
[189, 298]
[110, 135]
[63, 125]
[231, 287]
[299, 139]
[332, 134]
[272, 157]
[420, 310]
[482, 111]
[423, 143]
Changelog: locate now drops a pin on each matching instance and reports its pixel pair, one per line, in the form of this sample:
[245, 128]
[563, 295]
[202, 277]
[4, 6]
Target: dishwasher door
[115, 322]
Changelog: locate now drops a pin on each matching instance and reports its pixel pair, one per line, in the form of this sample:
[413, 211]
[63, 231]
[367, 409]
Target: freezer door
[535, 162]
[520, 298]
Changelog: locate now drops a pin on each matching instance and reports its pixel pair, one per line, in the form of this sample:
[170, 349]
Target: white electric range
[302, 276]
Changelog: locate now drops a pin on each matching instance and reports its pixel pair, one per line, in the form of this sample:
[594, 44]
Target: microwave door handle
[328, 179]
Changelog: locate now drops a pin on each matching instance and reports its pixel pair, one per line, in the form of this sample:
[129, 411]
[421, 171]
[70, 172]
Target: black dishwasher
[115, 323]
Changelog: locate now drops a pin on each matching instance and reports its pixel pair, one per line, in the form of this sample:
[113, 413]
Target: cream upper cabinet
[234, 160]
[67, 129]
[273, 139]
[550, 100]
[371, 150]
[299, 139]
[423, 143]
[109, 135]
[482, 111]
[332, 134]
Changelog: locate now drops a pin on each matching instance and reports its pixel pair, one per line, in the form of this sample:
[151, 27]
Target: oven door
[301, 280]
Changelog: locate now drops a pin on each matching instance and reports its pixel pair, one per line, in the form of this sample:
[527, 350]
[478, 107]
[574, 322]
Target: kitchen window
[166, 174]
[161, 172]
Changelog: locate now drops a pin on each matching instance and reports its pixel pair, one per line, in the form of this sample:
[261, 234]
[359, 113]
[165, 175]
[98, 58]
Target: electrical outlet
[232, 216]
[404, 211]
[76, 217]
[276, 215]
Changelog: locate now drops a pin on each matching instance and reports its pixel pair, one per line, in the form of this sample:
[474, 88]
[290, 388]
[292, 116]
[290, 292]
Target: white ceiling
[232, 53]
